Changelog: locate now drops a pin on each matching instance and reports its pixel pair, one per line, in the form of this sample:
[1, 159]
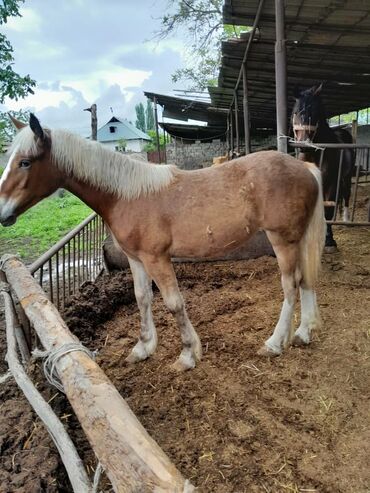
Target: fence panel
[76, 258]
[360, 178]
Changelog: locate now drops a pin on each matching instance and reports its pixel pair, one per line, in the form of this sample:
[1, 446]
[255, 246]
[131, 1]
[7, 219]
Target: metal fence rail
[362, 173]
[76, 258]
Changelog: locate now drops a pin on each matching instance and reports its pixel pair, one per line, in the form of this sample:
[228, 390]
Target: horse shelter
[235, 423]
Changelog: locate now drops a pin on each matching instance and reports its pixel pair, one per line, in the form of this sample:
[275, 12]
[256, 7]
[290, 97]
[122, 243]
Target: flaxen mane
[117, 173]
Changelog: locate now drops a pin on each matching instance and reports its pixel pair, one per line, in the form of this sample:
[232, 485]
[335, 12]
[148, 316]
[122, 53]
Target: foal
[156, 212]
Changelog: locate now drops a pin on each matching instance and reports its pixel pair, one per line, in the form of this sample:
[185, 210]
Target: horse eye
[25, 163]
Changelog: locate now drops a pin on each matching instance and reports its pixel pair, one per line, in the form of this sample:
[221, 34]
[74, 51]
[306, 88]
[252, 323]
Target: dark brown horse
[310, 125]
[156, 212]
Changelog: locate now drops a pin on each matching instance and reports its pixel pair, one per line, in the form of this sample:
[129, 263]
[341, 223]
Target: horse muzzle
[8, 221]
[7, 211]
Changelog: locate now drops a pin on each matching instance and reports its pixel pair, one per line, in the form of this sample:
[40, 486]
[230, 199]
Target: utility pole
[94, 121]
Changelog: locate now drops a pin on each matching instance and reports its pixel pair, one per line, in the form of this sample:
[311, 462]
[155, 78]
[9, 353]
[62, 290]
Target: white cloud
[81, 52]
[97, 82]
[41, 99]
[29, 22]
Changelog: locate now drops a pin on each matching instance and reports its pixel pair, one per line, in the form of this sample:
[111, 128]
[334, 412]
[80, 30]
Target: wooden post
[231, 133]
[94, 121]
[281, 77]
[247, 135]
[156, 128]
[354, 130]
[228, 134]
[237, 121]
[132, 460]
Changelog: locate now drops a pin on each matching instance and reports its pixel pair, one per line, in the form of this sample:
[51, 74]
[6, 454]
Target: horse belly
[213, 235]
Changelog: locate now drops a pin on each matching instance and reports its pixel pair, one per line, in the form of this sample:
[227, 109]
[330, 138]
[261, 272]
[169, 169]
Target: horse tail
[313, 240]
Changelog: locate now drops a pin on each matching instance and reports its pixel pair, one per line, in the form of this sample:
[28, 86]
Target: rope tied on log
[6, 257]
[54, 355]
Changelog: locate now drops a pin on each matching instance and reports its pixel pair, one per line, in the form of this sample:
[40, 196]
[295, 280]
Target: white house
[117, 129]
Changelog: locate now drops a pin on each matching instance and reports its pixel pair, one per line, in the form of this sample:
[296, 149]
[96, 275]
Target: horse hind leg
[288, 256]
[310, 316]
[147, 342]
[161, 270]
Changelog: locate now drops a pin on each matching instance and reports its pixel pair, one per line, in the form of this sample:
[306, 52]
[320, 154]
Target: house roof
[124, 130]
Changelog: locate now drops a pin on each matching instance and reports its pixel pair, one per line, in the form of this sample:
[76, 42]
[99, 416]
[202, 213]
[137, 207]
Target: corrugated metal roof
[184, 109]
[328, 40]
[322, 22]
[195, 132]
[123, 130]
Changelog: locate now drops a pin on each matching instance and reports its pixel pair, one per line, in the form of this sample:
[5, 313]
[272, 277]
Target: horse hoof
[183, 363]
[331, 249]
[180, 366]
[135, 358]
[298, 342]
[267, 352]
[142, 350]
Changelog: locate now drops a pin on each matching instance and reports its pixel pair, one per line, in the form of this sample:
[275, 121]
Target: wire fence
[76, 258]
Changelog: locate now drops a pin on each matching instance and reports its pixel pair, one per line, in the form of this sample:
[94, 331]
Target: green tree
[11, 84]
[140, 117]
[152, 146]
[121, 145]
[149, 114]
[202, 22]
[7, 129]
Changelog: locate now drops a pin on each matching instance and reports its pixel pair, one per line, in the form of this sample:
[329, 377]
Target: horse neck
[324, 133]
[98, 200]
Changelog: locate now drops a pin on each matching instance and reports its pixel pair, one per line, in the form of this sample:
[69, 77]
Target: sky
[91, 51]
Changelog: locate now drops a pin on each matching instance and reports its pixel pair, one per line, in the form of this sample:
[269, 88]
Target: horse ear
[296, 92]
[17, 123]
[36, 127]
[316, 90]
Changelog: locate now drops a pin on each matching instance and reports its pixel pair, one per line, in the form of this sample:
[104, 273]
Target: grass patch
[42, 226]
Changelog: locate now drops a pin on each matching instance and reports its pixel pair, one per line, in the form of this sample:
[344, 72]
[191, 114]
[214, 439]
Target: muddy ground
[237, 423]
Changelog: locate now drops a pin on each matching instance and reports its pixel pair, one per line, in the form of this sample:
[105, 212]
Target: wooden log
[75, 469]
[23, 344]
[132, 460]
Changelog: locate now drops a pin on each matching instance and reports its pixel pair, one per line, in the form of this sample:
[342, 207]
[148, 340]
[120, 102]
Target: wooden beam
[247, 134]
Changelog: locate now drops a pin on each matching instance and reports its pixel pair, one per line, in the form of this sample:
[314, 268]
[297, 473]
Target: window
[112, 129]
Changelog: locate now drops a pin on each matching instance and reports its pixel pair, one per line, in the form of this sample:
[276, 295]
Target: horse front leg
[147, 342]
[161, 270]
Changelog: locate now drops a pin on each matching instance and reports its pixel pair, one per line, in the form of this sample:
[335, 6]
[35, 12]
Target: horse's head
[307, 113]
[29, 175]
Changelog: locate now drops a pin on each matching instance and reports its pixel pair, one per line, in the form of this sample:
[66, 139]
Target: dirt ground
[237, 423]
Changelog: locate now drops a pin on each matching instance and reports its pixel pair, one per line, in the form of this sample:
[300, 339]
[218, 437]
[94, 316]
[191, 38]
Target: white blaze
[7, 204]
[6, 172]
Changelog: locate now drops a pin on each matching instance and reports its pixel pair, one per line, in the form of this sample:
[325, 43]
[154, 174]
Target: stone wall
[201, 154]
[194, 156]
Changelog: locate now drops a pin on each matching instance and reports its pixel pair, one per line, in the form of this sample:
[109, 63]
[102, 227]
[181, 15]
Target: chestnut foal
[156, 212]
